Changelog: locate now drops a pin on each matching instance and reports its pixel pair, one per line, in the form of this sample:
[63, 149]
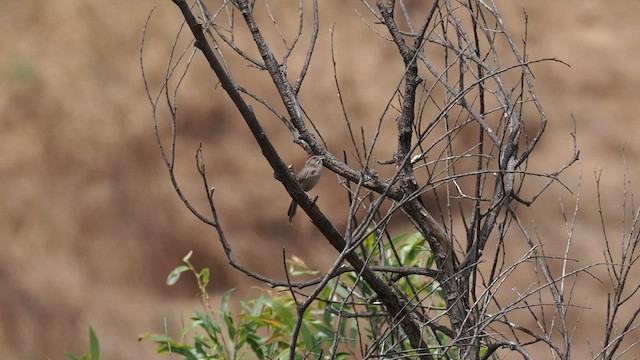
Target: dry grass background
[90, 226]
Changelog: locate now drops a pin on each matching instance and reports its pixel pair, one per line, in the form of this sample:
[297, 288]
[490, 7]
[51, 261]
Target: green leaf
[175, 274]
[483, 351]
[187, 257]
[398, 238]
[283, 313]
[284, 354]
[70, 356]
[256, 307]
[202, 347]
[430, 259]
[184, 350]
[157, 338]
[94, 345]
[255, 344]
[297, 267]
[205, 276]
[327, 316]
[226, 315]
[322, 331]
[411, 250]
[208, 324]
[326, 292]
[371, 241]
[353, 332]
[224, 303]
[308, 340]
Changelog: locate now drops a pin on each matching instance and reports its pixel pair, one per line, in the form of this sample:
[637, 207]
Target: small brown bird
[308, 177]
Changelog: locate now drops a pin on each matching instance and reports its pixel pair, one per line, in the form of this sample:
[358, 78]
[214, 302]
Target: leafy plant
[264, 325]
[94, 349]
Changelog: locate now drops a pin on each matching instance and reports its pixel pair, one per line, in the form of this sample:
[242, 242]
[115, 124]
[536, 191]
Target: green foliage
[401, 251]
[94, 349]
[329, 327]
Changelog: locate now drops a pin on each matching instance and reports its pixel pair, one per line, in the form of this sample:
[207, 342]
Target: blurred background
[90, 225]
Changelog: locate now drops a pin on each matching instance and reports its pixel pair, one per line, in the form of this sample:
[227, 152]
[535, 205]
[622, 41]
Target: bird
[308, 178]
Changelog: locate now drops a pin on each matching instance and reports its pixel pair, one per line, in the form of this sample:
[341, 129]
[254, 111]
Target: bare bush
[467, 123]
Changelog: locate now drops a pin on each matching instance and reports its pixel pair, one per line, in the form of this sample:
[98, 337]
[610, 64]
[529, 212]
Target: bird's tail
[292, 210]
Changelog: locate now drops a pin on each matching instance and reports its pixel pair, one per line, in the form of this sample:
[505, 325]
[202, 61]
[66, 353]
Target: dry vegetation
[90, 225]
